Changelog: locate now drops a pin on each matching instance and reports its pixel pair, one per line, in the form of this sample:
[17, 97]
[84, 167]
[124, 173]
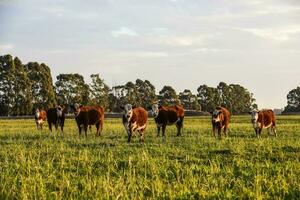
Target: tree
[22, 90]
[71, 89]
[145, 93]
[168, 96]
[208, 97]
[99, 91]
[293, 101]
[189, 100]
[234, 97]
[7, 80]
[42, 85]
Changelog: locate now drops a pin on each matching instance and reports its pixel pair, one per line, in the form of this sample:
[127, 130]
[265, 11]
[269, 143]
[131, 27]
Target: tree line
[25, 87]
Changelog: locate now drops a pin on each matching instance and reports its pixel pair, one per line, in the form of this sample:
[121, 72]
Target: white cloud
[278, 34]
[6, 47]
[124, 31]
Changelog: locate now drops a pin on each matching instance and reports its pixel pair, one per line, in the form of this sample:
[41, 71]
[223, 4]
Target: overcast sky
[182, 43]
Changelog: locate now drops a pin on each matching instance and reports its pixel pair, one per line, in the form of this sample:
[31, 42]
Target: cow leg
[274, 130]
[164, 130]
[79, 128]
[142, 136]
[158, 130]
[50, 126]
[214, 131]
[219, 132]
[85, 127]
[90, 128]
[98, 129]
[129, 136]
[56, 125]
[225, 131]
[41, 126]
[179, 127]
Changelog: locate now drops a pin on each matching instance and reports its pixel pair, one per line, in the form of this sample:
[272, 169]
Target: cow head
[37, 113]
[216, 116]
[76, 109]
[128, 111]
[254, 118]
[59, 111]
[155, 110]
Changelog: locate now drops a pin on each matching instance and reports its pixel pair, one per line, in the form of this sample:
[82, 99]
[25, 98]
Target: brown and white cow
[263, 119]
[135, 119]
[40, 118]
[220, 120]
[168, 115]
[89, 115]
[56, 116]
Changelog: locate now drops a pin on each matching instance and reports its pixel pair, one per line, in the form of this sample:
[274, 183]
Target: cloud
[124, 31]
[6, 47]
[277, 34]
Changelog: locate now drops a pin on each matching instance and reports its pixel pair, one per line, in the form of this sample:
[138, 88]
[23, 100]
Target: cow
[56, 116]
[263, 119]
[134, 119]
[168, 115]
[40, 118]
[89, 115]
[220, 119]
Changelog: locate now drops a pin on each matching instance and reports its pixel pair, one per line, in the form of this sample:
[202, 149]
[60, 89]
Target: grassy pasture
[43, 165]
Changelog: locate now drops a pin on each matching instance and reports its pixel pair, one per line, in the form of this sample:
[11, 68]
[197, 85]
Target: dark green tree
[168, 96]
[71, 89]
[189, 100]
[208, 98]
[99, 92]
[293, 101]
[7, 80]
[22, 90]
[145, 93]
[43, 93]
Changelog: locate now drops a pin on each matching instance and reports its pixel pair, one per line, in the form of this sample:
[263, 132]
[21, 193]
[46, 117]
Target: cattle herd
[135, 119]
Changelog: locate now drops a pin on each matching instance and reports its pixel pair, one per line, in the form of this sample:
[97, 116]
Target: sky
[182, 43]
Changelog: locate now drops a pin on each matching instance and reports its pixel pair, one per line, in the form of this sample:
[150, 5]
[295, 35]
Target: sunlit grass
[43, 165]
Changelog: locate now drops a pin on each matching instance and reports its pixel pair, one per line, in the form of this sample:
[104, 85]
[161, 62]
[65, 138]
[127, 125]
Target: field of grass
[43, 165]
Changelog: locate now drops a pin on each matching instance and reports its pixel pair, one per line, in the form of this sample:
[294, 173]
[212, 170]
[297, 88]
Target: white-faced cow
[56, 116]
[263, 119]
[40, 118]
[135, 119]
[168, 115]
[220, 120]
[89, 115]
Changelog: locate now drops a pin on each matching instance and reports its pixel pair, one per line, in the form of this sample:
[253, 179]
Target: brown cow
[263, 119]
[89, 115]
[134, 119]
[40, 118]
[56, 116]
[220, 120]
[168, 115]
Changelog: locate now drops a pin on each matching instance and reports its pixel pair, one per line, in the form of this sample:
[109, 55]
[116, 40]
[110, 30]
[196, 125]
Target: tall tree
[22, 90]
[145, 93]
[293, 101]
[168, 96]
[99, 91]
[71, 89]
[42, 85]
[189, 100]
[208, 97]
[7, 80]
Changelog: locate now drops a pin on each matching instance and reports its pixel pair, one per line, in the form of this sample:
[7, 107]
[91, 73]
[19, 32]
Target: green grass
[43, 165]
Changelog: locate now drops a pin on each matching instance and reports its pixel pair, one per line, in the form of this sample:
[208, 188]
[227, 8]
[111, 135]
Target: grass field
[43, 165]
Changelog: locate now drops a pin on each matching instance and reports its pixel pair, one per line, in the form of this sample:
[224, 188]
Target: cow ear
[211, 112]
[249, 112]
[160, 106]
[122, 107]
[133, 107]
